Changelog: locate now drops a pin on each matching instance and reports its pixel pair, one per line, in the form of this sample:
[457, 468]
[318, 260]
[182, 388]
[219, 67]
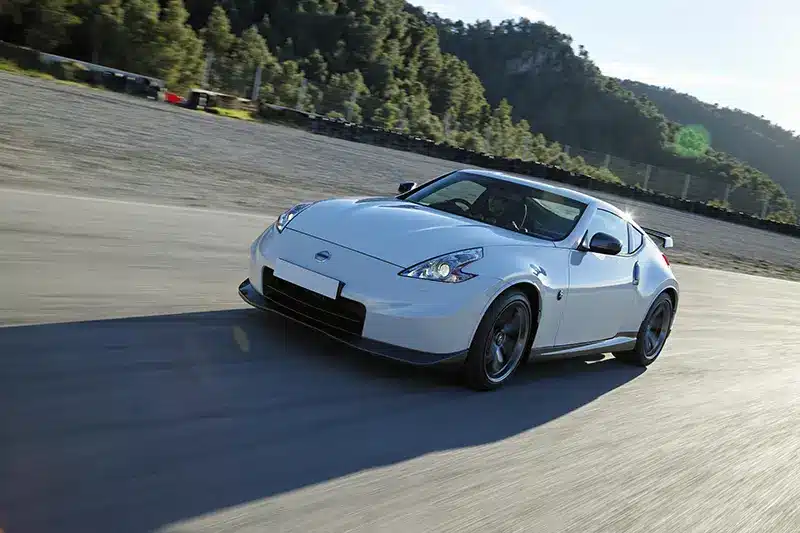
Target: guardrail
[399, 141]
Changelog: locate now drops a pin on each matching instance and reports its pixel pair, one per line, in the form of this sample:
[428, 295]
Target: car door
[640, 299]
[601, 290]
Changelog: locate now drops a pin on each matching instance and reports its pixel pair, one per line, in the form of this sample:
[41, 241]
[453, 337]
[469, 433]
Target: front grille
[343, 315]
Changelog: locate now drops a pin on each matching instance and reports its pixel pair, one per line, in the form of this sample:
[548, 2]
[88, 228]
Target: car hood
[399, 232]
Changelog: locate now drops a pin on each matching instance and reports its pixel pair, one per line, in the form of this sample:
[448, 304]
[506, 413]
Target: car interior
[512, 207]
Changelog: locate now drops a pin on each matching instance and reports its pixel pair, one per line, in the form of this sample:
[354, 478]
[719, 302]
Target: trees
[218, 41]
[102, 22]
[565, 96]
[342, 94]
[180, 50]
[41, 24]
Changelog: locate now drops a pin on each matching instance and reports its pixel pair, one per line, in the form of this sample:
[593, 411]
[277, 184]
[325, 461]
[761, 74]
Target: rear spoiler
[665, 239]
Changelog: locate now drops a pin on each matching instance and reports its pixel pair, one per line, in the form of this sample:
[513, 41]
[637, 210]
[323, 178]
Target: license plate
[307, 279]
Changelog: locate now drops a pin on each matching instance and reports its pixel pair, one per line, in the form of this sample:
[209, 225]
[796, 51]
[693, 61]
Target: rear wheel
[502, 340]
[652, 334]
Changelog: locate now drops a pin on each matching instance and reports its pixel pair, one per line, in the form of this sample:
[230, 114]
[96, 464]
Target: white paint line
[136, 203]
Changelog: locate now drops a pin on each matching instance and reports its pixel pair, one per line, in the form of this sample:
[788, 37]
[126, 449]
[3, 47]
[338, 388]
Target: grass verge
[7, 65]
[241, 114]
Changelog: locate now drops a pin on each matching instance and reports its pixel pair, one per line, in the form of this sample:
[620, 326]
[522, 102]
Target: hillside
[565, 96]
[516, 90]
[744, 135]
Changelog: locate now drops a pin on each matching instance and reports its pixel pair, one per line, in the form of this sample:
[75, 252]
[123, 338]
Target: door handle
[636, 273]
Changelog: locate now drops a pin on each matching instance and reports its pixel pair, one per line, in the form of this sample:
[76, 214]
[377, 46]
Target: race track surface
[208, 416]
[79, 141]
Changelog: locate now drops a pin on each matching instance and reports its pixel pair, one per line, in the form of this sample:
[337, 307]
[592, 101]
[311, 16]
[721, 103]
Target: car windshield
[521, 208]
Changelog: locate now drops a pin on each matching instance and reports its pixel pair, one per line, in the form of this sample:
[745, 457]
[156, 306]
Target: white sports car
[475, 267]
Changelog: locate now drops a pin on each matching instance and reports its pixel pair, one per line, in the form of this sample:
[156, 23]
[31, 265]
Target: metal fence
[677, 184]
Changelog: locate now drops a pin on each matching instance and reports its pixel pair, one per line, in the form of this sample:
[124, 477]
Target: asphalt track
[208, 416]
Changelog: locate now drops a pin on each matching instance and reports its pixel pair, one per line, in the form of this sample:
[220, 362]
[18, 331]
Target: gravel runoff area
[75, 140]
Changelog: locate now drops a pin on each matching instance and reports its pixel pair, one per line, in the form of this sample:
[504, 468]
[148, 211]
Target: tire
[645, 353]
[487, 369]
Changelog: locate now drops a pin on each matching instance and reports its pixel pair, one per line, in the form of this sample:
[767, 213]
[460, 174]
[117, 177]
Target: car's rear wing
[663, 239]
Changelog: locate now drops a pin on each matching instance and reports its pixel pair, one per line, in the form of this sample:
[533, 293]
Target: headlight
[446, 268]
[289, 214]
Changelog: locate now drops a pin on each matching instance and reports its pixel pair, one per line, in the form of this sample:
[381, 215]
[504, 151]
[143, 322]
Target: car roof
[555, 189]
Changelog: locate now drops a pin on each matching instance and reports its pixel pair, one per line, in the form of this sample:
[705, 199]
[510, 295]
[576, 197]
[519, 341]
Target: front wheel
[502, 340]
[652, 334]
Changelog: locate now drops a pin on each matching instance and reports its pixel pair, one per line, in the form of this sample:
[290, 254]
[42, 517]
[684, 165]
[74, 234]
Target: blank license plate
[307, 279]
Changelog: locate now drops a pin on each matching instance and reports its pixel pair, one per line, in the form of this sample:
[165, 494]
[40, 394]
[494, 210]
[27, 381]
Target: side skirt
[620, 343]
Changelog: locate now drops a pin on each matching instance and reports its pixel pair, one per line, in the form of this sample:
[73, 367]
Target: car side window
[636, 239]
[607, 222]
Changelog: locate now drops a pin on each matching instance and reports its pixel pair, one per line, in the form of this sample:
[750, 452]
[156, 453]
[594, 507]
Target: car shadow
[133, 424]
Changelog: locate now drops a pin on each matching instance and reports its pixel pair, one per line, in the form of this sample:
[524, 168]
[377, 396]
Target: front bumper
[249, 294]
[373, 301]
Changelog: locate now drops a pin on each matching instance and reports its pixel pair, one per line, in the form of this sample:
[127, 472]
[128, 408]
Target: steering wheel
[460, 202]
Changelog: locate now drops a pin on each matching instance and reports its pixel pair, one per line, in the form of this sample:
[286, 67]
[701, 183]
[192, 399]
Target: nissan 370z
[476, 268]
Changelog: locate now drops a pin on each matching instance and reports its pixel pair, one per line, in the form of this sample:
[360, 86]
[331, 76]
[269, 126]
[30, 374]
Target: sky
[736, 53]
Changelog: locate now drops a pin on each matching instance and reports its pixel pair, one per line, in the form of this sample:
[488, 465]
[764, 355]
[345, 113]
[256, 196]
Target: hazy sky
[737, 53]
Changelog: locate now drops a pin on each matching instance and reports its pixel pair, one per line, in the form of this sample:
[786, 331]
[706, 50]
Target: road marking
[137, 203]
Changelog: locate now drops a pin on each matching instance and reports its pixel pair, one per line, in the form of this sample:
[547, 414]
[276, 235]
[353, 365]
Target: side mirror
[603, 243]
[405, 187]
